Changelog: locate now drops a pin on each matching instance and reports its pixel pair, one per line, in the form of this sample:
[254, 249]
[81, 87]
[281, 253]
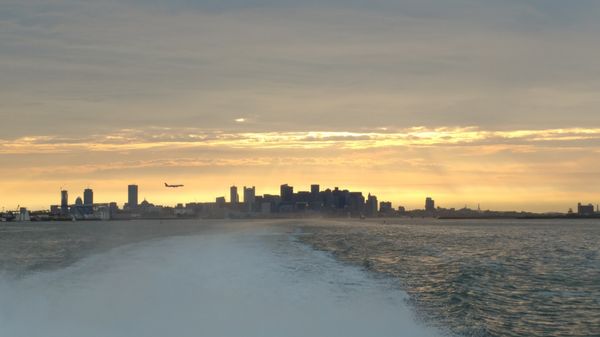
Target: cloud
[172, 139]
[77, 65]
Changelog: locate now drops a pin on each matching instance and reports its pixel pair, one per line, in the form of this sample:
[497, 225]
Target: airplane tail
[166, 185]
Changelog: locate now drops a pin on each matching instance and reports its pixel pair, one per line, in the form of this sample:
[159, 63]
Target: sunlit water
[483, 277]
[248, 283]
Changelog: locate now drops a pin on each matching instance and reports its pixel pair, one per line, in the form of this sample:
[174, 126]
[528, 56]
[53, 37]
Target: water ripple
[490, 278]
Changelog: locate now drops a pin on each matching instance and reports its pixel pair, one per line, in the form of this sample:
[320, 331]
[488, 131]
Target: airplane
[173, 186]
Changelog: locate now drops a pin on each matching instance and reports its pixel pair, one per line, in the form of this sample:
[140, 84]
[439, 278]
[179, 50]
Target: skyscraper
[249, 197]
[372, 205]
[315, 197]
[429, 204]
[64, 202]
[132, 196]
[88, 197]
[234, 197]
[88, 201]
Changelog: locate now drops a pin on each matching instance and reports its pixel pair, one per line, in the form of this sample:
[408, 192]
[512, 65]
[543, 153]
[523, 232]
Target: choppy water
[483, 278]
[256, 281]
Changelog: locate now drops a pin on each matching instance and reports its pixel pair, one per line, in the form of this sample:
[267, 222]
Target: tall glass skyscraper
[132, 196]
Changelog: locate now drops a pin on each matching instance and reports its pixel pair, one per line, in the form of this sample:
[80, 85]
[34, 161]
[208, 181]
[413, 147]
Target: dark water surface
[483, 277]
[468, 278]
[33, 246]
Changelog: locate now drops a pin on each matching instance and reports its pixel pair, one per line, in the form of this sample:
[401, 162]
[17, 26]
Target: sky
[491, 102]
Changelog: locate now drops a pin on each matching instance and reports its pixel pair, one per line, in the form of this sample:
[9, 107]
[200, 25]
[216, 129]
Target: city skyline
[286, 193]
[492, 102]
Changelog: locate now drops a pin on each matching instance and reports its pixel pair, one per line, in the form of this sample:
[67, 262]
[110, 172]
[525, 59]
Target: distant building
[429, 204]
[585, 209]
[234, 197]
[249, 197]
[104, 213]
[64, 202]
[88, 201]
[287, 194]
[272, 200]
[316, 199]
[88, 197]
[55, 210]
[220, 201]
[265, 207]
[385, 207]
[132, 196]
[353, 202]
[113, 209]
[303, 196]
[327, 199]
[23, 215]
[77, 210]
[371, 205]
[148, 208]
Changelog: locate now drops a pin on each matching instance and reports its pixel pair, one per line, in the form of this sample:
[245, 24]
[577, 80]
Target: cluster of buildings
[246, 203]
[288, 203]
[82, 209]
[333, 202]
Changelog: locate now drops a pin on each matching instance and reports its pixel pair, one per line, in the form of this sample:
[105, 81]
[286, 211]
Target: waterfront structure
[23, 215]
[234, 197]
[132, 196]
[585, 210]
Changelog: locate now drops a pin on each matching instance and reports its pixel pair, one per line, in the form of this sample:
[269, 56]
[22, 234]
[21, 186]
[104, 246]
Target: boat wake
[236, 284]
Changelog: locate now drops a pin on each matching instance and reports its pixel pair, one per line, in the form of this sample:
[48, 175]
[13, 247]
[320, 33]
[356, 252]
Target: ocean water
[249, 281]
[301, 278]
[482, 277]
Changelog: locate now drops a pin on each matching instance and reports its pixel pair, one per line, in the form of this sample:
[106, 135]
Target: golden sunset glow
[465, 102]
[460, 166]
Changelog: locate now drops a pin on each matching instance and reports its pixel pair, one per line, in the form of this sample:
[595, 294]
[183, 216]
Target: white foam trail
[236, 284]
